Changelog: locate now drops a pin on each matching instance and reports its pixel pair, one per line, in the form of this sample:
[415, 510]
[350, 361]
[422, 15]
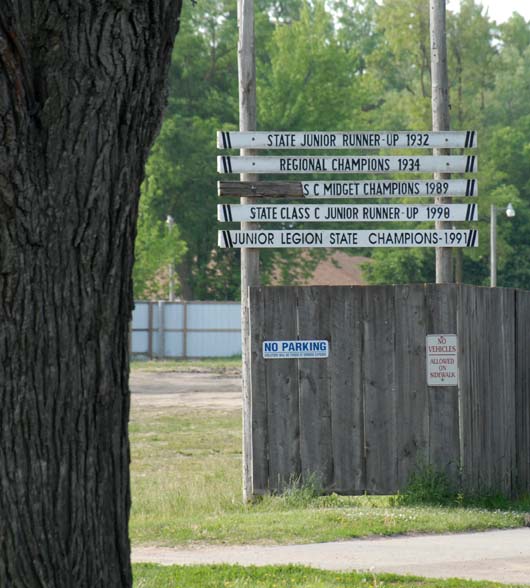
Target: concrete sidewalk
[501, 556]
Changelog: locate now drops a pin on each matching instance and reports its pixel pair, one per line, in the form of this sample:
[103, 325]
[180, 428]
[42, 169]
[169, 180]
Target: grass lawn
[153, 576]
[186, 488]
[214, 364]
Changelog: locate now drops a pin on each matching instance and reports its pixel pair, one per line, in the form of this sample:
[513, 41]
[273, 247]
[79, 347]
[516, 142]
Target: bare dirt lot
[185, 390]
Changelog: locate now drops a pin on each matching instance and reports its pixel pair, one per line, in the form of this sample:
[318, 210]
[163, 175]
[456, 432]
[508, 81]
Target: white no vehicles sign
[442, 360]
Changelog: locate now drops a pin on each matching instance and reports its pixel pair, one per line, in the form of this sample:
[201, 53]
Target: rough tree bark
[82, 87]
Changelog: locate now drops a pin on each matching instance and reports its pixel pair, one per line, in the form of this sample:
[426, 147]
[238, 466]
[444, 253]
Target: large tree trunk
[82, 87]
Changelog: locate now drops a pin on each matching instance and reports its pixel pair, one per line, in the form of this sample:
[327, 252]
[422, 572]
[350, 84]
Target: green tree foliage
[490, 89]
[508, 150]
[311, 82]
[471, 55]
[515, 33]
[332, 65]
[156, 247]
[181, 170]
[400, 266]
[401, 64]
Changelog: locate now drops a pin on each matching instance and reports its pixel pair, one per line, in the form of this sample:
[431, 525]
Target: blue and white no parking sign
[312, 348]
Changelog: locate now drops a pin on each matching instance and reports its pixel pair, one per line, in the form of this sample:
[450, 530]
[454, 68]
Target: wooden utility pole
[440, 120]
[246, 60]
[493, 246]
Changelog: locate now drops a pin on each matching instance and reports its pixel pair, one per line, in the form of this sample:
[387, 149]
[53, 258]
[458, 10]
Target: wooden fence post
[249, 257]
[440, 121]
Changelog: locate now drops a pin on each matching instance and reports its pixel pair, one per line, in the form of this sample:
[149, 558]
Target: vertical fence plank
[503, 421]
[345, 381]
[444, 424]
[468, 317]
[314, 308]
[522, 390]
[487, 318]
[281, 377]
[255, 420]
[410, 385]
[494, 421]
[489, 306]
[379, 393]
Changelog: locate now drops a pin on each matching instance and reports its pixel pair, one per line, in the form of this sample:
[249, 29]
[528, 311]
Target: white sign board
[345, 212]
[295, 349]
[442, 360]
[346, 140]
[361, 164]
[364, 238]
[389, 188]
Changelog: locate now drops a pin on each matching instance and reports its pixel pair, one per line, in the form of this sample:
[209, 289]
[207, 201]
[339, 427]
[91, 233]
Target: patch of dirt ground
[185, 390]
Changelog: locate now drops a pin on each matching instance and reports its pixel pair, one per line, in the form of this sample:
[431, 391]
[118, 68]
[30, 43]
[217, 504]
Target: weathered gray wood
[246, 65]
[440, 119]
[410, 386]
[486, 319]
[345, 382]
[488, 306]
[258, 441]
[444, 435]
[249, 277]
[364, 418]
[470, 400]
[282, 385]
[249, 257]
[522, 392]
[314, 309]
[261, 189]
[500, 389]
[493, 246]
[501, 333]
[379, 393]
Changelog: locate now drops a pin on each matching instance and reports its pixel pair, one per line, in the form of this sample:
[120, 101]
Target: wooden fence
[364, 419]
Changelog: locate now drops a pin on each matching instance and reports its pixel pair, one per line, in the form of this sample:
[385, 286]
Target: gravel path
[501, 556]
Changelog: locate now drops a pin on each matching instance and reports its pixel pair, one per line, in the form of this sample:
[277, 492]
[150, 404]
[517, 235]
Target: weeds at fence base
[429, 486]
[301, 492]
